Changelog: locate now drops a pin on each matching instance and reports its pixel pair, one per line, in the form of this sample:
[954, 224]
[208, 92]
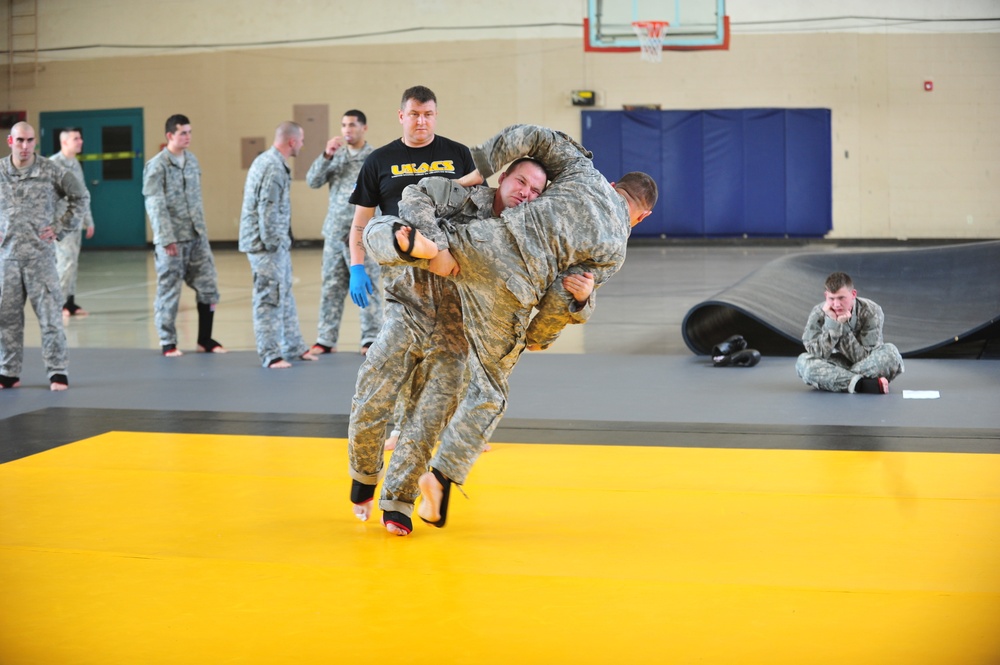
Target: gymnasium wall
[906, 163]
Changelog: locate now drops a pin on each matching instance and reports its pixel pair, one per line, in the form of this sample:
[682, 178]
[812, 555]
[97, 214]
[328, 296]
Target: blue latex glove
[360, 286]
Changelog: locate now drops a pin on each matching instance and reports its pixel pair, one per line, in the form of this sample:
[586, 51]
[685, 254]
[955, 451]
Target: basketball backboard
[694, 24]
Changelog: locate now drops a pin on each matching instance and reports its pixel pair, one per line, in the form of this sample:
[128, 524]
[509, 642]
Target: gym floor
[638, 504]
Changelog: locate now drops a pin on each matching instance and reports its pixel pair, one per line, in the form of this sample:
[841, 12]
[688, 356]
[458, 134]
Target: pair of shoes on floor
[733, 352]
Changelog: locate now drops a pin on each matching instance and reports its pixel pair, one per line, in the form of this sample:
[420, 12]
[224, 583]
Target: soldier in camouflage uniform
[423, 344]
[338, 167]
[844, 347]
[581, 224]
[171, 185]
[266, 238]
[419, 153]
[68, 249]
[30, 188]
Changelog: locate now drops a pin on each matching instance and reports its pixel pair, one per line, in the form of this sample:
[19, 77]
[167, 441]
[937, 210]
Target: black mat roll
[941, 301]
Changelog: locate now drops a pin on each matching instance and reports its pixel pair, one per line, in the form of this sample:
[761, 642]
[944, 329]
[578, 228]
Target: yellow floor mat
[138, 548]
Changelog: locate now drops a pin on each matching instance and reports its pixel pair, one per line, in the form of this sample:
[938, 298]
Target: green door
[112, 161]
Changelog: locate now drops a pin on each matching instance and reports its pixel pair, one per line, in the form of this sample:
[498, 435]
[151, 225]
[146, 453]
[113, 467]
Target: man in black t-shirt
[388, 170]
[429, 300]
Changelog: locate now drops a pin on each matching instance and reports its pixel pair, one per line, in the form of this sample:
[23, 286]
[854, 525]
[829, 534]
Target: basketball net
[650, 34]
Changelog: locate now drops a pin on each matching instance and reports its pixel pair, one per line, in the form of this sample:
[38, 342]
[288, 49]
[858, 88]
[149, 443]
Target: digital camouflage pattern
[838, 354]
[265, 237]
[68, 249]
[266, 217]
[28, 202]
[193, 265]
[333, 296]
[508, 264]
[173, 199]
[579, 223]
[422, 346]
[340, 172]
[275, 315]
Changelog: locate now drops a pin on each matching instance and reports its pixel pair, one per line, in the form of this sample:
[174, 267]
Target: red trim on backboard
[588, 47]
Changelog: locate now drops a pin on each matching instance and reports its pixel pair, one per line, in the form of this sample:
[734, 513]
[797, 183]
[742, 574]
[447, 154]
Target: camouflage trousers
[275, 316]
[836, 374]
[426, 354]
[194, 266]
[68, 262]
[336, 285]
[495, 322]
[37, 282]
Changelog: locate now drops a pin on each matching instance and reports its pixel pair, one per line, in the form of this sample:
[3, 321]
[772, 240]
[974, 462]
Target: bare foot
[173, 353]
[319, 349]
[363, 510]
[422, 247]
[280, 363]
[390, 443]
[308, 356]
[431, 494]
[218, 348]
[13, 385]
[395, 529]
[58, 387]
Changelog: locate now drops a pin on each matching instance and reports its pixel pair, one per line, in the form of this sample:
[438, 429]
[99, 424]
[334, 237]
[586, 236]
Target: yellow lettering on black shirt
[440, 166]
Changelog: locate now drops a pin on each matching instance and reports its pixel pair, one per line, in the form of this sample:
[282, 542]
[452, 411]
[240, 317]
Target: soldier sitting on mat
[844, 347]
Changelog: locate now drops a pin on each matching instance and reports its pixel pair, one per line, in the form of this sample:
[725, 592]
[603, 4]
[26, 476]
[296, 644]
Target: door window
[118, 155]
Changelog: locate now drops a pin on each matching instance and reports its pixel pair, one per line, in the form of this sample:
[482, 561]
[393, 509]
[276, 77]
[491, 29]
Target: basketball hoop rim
[652, 28]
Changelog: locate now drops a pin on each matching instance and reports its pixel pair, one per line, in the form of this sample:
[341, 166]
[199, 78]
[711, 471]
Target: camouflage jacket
[74, 167]
[173, 198]
[825, 336]
[580, 220]
[436, 203]
[340, 172]
[266, 219]
[28, 203]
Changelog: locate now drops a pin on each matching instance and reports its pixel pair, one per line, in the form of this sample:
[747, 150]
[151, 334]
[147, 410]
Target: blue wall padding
[809, 158]
[732, 172]
[684, 167]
